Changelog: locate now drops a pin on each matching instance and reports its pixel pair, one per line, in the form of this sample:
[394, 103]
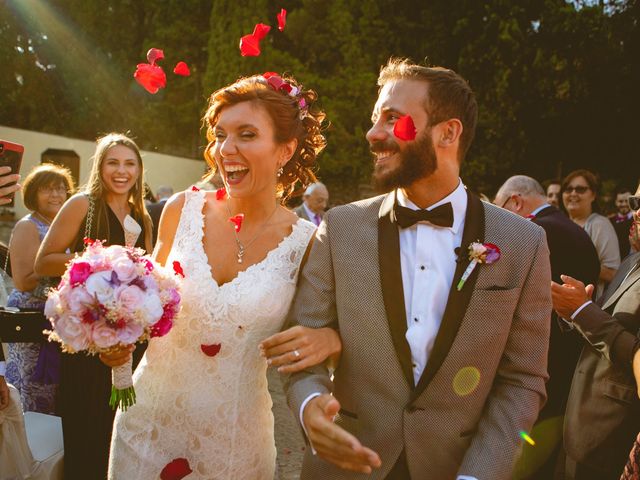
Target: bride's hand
[117, 357]
[300, 347]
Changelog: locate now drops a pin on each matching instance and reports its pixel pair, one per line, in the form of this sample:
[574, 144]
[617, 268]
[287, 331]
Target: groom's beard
[418, 160]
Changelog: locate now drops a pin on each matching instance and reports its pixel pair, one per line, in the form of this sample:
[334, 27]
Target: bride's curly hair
[293, 115]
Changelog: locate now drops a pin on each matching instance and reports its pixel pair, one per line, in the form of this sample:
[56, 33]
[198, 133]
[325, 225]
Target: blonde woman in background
[115, 190]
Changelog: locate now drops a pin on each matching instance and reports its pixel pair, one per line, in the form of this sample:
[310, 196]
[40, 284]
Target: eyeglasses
[580, 189]
[510, 197]
[634, 202]
[61, 189]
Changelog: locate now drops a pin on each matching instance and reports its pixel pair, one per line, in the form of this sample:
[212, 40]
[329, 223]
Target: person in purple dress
[33, 368]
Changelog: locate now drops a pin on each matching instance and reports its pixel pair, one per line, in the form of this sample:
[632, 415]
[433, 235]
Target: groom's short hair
[448, 96]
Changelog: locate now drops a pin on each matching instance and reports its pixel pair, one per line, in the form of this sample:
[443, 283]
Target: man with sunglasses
[622, 220]
[603, 410]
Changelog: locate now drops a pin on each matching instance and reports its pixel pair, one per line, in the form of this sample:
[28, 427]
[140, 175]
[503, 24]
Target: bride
[202, 398]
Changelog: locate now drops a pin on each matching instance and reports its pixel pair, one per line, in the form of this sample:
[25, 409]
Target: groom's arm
[313, 306]
[518, 391]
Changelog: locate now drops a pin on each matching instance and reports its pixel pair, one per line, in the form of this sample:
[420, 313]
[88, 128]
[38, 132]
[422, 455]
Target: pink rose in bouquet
[111, 297]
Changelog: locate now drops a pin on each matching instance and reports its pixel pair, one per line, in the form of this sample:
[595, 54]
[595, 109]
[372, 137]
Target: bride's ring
[296, 353]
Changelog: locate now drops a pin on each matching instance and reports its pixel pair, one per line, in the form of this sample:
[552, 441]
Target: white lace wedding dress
[213, 411]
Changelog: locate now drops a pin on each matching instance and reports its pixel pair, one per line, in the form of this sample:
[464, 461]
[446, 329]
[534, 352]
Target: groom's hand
[333, 443]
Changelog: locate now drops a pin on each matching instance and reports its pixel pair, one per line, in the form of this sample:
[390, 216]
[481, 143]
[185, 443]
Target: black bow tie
[442, 215]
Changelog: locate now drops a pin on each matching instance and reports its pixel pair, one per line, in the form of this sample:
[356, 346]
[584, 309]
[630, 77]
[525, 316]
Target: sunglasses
[580, 189]
[634, 202]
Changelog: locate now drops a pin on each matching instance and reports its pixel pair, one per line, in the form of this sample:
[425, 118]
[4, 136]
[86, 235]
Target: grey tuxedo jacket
[456, 419]
[603, 410]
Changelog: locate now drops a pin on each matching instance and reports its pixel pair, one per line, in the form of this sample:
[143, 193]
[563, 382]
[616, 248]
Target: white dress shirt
[428, 264]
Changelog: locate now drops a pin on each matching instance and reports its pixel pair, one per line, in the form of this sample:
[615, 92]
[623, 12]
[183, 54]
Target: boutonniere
[479, 253]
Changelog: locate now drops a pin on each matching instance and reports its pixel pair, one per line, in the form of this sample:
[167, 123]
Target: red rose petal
[182, 69]
[88, 241]
[404, 128]
[237, 221]
[249, 46]
[275, 81]
[266, 75]
[221, 193]
[195, 189]
[211, 350]
[177, 268]
[151, 77]
[282, 19]
[154, 54]
[176, 469]
[260, 31]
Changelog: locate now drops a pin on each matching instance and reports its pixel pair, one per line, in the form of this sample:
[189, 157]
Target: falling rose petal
[182, 69]
[260, 31]
[177, 268]
[154, 54]
[237, 221]
[249, 46]
[176, 469]
[151, 77]
[404, 128]
[282, 19]
[210, 350]
[194, 188]
[267, 75]
[221, 193]
[88, 241]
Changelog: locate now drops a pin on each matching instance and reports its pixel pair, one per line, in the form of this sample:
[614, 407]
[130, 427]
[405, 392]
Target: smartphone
[11, 156]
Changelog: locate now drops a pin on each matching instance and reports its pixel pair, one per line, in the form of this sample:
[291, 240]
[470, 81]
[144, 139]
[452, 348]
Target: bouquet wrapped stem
[123, 394]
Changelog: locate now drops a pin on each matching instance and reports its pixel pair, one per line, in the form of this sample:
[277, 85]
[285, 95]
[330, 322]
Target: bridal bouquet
[109, 298]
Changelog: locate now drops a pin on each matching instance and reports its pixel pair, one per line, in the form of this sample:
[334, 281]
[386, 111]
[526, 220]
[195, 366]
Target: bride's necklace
[242, 247]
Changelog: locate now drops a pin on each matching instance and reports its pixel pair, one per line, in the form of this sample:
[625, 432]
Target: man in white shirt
[443, 362]
[315, 200]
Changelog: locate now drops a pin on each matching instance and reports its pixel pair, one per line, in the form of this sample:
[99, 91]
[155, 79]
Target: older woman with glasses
[31, 367]
[579, 192]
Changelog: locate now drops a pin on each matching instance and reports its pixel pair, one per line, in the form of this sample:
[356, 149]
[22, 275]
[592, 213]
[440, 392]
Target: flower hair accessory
[479, 253]
[276, 82]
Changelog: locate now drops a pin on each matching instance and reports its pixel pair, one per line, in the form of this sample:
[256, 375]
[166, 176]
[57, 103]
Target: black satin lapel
[458, 301]
[392, 293]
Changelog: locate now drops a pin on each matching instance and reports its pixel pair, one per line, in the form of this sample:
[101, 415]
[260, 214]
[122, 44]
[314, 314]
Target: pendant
[240, 253]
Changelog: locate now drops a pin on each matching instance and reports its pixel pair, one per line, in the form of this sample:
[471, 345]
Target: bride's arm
[300, 347]
[167, 227]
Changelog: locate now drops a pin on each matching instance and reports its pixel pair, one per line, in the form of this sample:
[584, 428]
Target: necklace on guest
[41, 217]
[242, 247]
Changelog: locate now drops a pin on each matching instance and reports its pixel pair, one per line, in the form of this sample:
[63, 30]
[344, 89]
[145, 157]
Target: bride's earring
[280, 171]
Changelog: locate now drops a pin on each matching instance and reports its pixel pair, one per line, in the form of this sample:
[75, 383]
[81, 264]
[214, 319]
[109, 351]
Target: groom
[435, 382]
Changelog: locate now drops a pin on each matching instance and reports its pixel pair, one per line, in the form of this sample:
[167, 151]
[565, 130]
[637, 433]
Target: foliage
[556, 81]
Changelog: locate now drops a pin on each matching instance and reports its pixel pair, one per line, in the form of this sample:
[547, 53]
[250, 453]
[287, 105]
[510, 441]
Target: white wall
[160, 169]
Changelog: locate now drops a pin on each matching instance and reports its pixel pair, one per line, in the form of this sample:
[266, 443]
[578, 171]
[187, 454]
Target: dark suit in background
[571, 253]
[155, 210]
[603, 411]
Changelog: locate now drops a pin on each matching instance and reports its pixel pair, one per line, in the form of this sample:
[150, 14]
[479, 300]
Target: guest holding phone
[33, 368]
[8, 184]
